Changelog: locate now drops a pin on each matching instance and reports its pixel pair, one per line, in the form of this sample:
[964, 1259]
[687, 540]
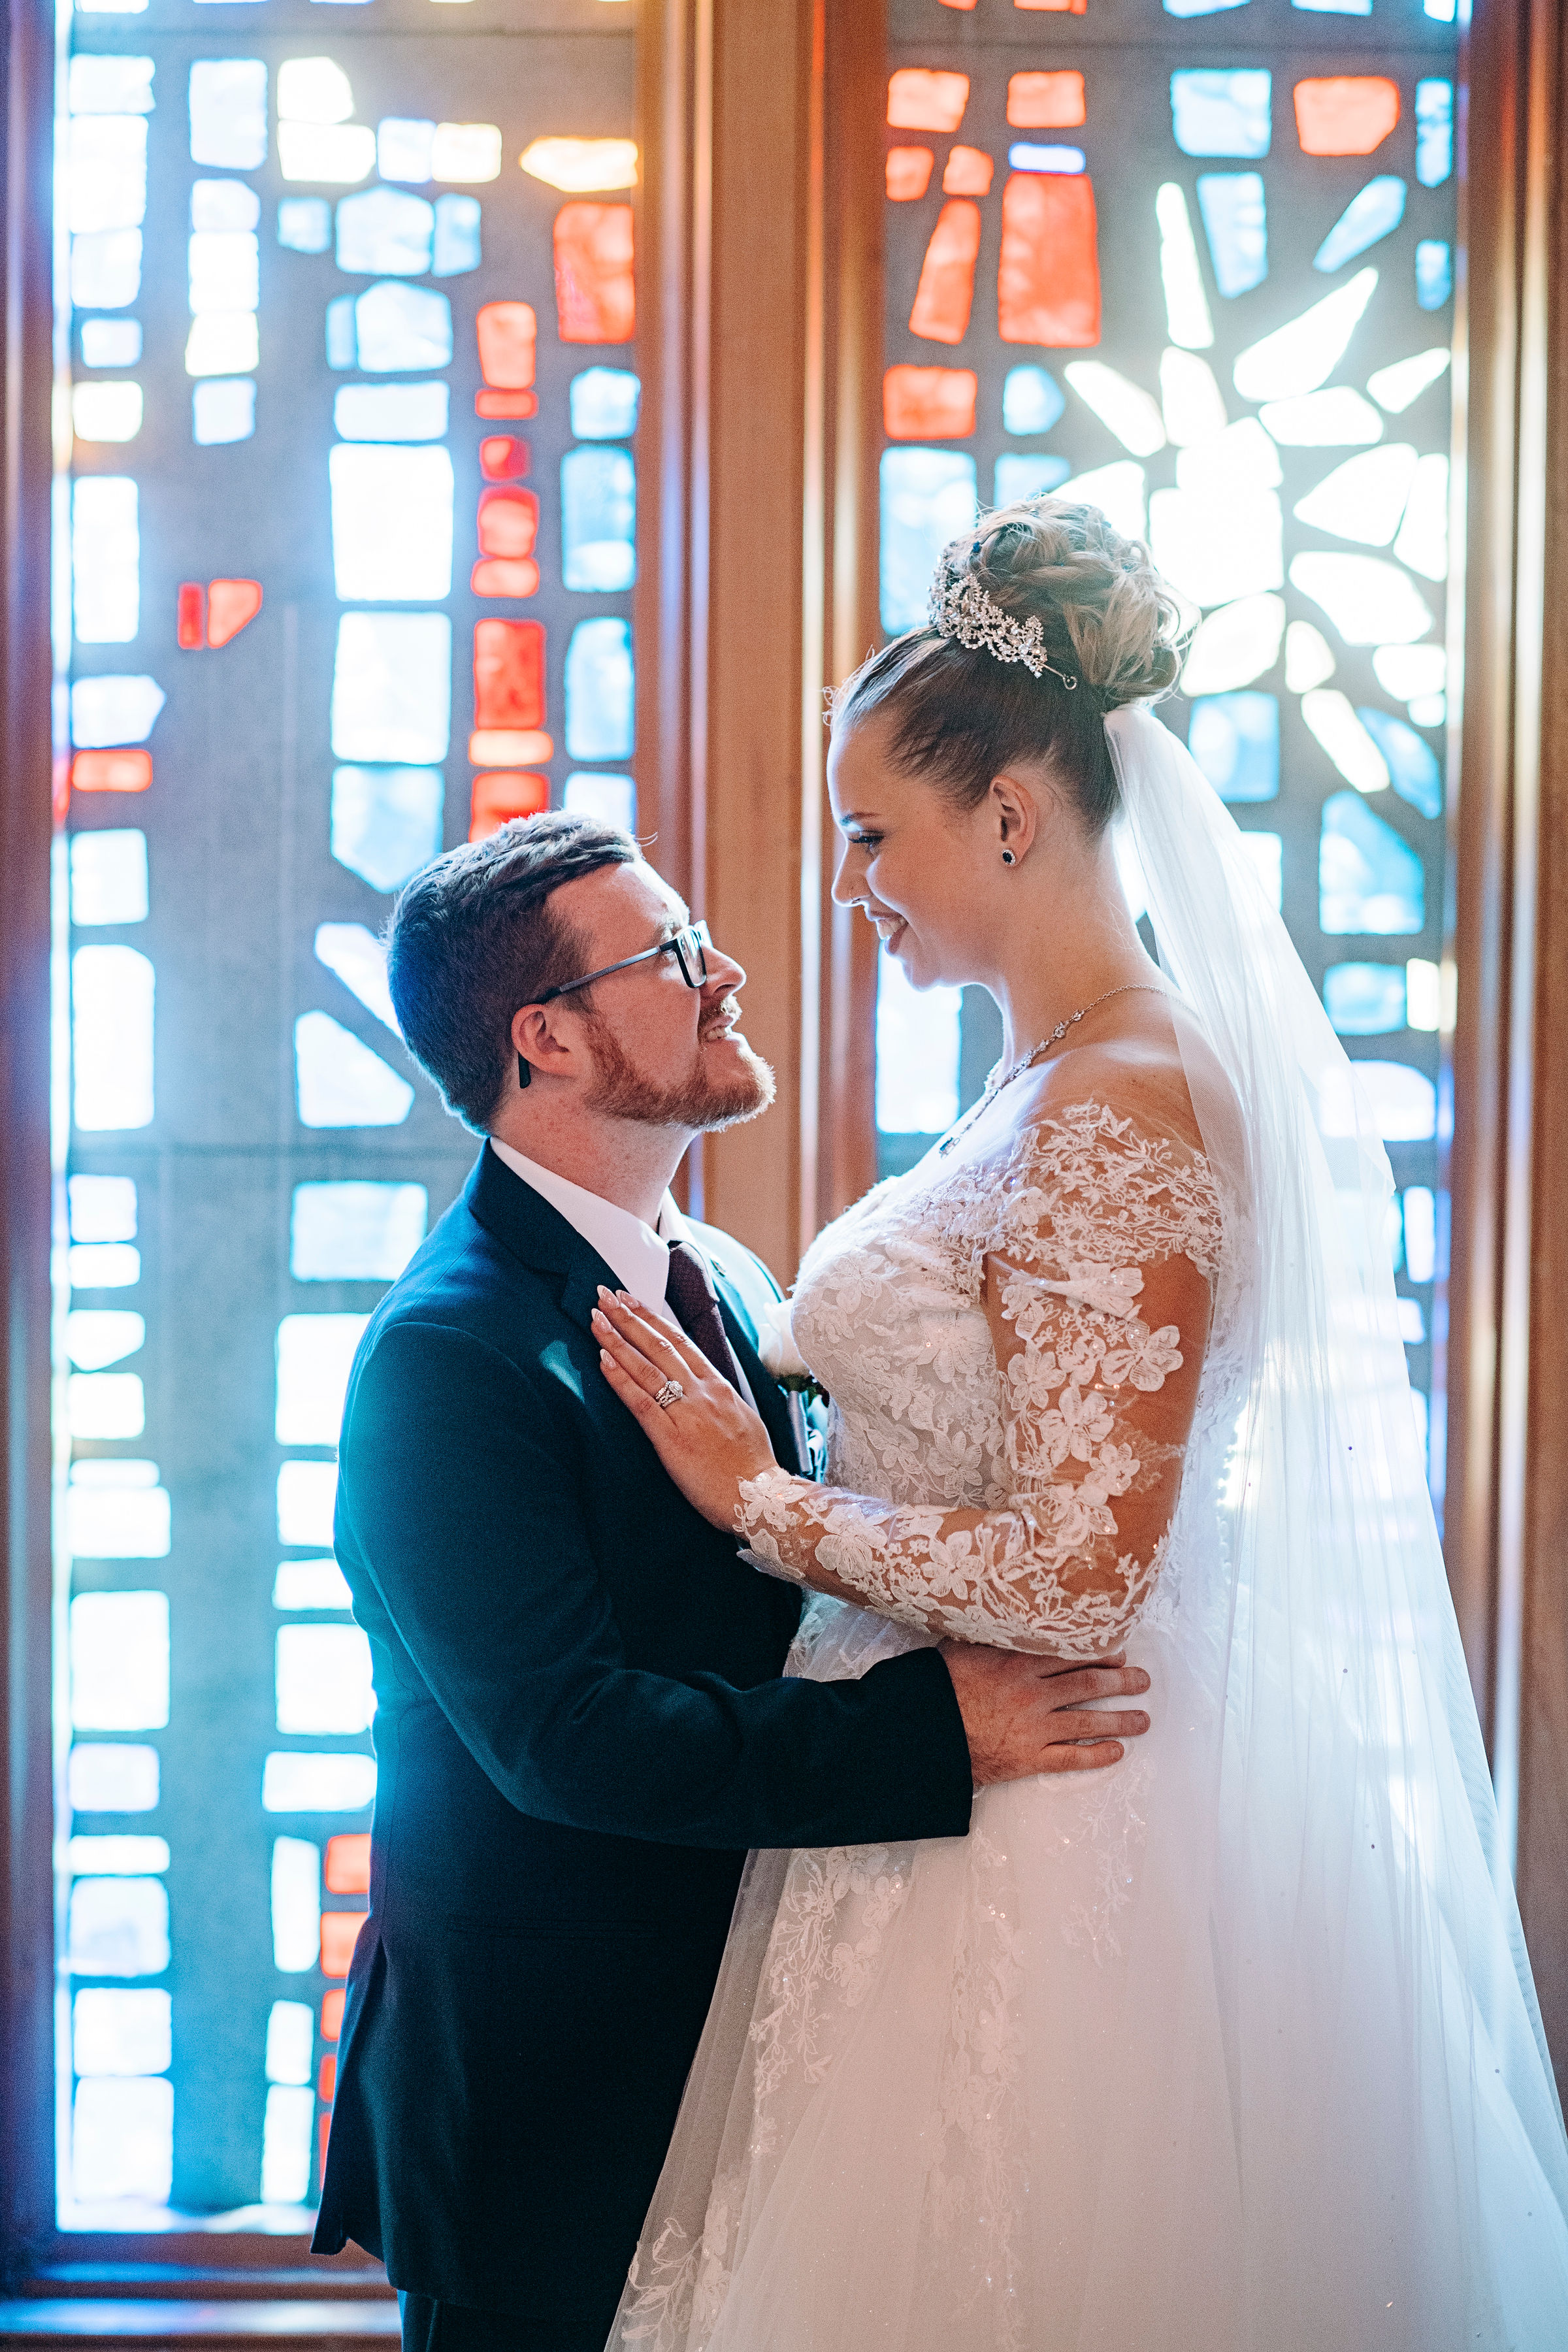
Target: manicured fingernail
[606, 1293]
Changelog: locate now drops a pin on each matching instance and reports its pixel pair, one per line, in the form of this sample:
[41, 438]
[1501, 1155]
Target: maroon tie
[694, 1303]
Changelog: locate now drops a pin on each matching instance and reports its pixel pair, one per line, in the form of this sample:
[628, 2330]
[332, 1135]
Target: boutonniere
[782, 1358]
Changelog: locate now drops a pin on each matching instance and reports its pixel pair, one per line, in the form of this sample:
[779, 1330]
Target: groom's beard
[696, 1100]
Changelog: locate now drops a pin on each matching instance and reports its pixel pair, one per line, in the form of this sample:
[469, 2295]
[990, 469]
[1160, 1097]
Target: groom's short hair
[473, 936]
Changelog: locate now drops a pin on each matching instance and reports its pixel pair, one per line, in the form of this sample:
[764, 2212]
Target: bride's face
[928, 875]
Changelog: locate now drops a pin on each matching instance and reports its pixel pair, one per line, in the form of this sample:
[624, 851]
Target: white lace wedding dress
[971, 2095]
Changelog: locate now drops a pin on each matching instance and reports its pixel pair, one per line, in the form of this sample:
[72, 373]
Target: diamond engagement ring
[670, 1393]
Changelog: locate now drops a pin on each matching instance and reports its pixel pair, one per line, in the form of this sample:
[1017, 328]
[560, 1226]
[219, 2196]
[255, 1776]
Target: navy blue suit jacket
[581, 1728]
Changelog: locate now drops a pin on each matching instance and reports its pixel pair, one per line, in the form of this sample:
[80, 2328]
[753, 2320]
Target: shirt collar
[637, 1254]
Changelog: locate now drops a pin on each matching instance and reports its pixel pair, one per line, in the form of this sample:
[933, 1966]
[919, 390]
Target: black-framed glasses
[689, 948]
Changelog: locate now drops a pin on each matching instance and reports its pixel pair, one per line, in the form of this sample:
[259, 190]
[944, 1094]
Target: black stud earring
[1008, 858]
[524, 1074]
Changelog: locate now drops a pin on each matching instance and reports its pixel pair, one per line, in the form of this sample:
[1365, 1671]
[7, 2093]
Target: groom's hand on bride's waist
[1026, 1715]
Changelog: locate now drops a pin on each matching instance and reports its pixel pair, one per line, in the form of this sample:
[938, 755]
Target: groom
[581, 1721]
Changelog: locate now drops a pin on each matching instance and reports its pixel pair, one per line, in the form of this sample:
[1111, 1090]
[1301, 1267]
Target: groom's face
[663, 1054]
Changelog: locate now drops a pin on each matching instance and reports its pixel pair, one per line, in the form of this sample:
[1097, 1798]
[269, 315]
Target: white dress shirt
[637, 1254]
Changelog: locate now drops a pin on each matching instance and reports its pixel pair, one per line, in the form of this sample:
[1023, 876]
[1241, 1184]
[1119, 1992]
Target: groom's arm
[455, 1491]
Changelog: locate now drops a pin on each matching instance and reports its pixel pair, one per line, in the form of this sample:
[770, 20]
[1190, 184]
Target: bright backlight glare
[1333, 720]
[106, 559]
[106, 412]
[111, 1038]
[1234, 645]
[391, 521]
[108, 876]
[1123, 406]
[1339, 418]
[1363, 498]
[1395, 387]
[1409, 672]
[334, 155]
[1216, 548]
[1370, 601]
[580, 167]
[1118, 490]
[313, 90]
[1242, 458]
[359, 959]
[1191, 398]
[1308, 660]
[1299, 356]
[1188, 321]
[1422, 540]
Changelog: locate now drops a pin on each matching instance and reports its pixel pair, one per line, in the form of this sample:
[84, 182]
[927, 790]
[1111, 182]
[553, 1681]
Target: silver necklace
[994, 1085]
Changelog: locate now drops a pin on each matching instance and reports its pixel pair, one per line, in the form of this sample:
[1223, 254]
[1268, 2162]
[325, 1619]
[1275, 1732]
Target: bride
[1234, 2045]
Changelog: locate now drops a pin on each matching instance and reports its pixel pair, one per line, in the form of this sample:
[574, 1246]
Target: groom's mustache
[722, 1015]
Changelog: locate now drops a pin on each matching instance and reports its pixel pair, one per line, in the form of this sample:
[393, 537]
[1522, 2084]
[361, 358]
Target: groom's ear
[536, 1045]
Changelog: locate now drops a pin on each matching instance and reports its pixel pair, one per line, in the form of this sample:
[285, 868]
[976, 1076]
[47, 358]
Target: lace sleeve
[1094, 1257]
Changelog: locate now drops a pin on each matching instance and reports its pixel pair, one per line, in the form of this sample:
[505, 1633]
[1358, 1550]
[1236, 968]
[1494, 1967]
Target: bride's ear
[1014, 817]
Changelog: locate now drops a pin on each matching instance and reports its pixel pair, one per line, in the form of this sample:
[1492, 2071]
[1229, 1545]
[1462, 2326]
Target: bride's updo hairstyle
[959, 716]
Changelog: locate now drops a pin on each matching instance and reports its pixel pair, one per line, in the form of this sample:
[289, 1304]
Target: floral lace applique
[1078, 1243]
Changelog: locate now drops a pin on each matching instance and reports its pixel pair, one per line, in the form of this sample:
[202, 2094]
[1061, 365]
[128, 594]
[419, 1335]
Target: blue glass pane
[1403, 1101]
[1434, 273]
[355, 1231]
[1434, 131]
[1235, 739]
[1366, 1000]
[405, 147]
[918, 1043]
[228, 112]
[1413, 767]
[1028, 475]
[385, 233]
[223, 409]
[106, 268]
[1032, 400]
[1223, 113]
[1335, 7]
[387, 822]
[340, 1082]
[1236, 222]
[1023, 155]
[1200, 7]
[1368, 878]
[305, 224]
[599, 692]
[1379, 208]
[403, 327]
[598, 521]
[612, 799]
[929, 496]
[392, 688]
[456, 246]
[342, 348]
[110, 343]
[603, 403]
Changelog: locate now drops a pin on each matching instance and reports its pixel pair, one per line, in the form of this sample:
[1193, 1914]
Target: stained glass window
[1206, 284]
[344, 560]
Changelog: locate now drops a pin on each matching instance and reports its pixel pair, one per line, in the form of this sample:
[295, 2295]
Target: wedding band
[670, 1393]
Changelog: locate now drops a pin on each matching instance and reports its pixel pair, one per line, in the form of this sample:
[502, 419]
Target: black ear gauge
[524, 1074]
[1008, 858]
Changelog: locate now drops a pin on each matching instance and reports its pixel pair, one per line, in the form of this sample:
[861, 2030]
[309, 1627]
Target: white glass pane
[1338, 418]
[311, 1584]
[1187, 317]
[222, 342]
[599, 692]
[405, 146]
[335, 154]
[105, 182]
[1364, 498]
[123, 2140]
[313, 90]
[390, 412]
[323, 1679]
[304, 224]
[106, 1776]
[120, 1661]
[118, 1927]
[1394, 388]
[101, 85]
[112, 1038]
[1308, 660]
[341, 1082]
[384, 232]
[1117, 490]
[286, 2134]
[120, 2033]
[297, 1782]
[224, 204]
[1420, 1233]
[917, 1053]
[296, 1904]
[223, 409]
[117, 1858]
[108, 876]
[106, 412]
[307, 1495]
[612, 799]
[106, 269]
[228, 112]
[399, 327]
[106, 559]
[355, 1231]
[466, 151]
[1397, 1102]
[391, 521]
[109, 712]
[1123, 407]
[225, 271]
[115, 1522]
[1234, 645]
[106, 1404]
[1302, 354]
[1369, 599]
[392, 688]
[97, 1335]
[603, 403]
[313, 1356]
[387, 822]
[103, 1266]
[102, 1208]
[290, 2042]
[1217, 548]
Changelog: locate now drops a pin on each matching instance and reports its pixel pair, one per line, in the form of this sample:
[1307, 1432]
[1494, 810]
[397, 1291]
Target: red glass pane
[112, 772]
[509, 673]
[909, 173]
[595, 300]
[510, 747]
[502, 407]
[1048, 283]
[507, 333]
[508, 523]
[328, 2082]
[1045, 101]
[347, 1868]
[333, 2015]
[499, 576]
[946, 291]
[190, 615]
[928, 404]
[340, 1932]
[968, 174]
[1348, 114]
[230, 605]
[503, 794]
[957, 4]
[1058, 7]
[921, 99]
[502, 458]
